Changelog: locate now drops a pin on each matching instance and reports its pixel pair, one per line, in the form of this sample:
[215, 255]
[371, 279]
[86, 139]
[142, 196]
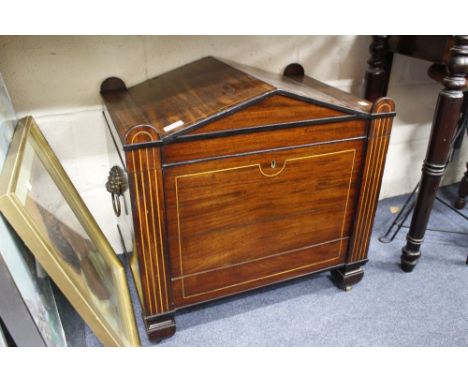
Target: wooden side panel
[379, 136]
[145, 180]
[264, 140]
[239, 223]
[273, 110]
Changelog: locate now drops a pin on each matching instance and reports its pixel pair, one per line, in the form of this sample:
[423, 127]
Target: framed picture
[27, 302]
[40, 202]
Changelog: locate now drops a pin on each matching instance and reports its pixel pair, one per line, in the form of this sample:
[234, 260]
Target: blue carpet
[428, 307]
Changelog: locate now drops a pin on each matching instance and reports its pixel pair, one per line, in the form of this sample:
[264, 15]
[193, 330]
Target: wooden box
[240, 178]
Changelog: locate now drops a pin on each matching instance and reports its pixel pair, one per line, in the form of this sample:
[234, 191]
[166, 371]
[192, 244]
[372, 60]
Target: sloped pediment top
[276, 109]
[210, 95]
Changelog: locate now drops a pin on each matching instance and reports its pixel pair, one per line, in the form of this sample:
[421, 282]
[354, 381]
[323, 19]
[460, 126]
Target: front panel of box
[238, 223]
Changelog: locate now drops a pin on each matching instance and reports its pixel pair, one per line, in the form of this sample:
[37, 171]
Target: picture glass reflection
[76, 253]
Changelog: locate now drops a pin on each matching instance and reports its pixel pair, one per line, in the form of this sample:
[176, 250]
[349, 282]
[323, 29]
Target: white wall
[57, 79]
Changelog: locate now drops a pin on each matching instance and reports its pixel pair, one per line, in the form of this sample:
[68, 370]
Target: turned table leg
[378, 72]
[443, 129]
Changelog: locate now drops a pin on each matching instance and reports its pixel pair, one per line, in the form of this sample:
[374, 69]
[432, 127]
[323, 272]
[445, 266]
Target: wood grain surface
[263, 140]
[259, 212]
[272, 110]
[205, 91]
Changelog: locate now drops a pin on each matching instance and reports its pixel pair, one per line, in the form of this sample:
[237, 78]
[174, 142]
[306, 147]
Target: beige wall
[57, 80]
[65, 72]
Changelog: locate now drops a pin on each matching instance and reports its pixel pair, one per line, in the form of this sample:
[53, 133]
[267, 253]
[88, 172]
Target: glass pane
[34, 286]
[7, 120]
[77, 254]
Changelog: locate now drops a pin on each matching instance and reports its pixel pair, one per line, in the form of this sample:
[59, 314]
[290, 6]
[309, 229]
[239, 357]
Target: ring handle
[116, 204]
[116, 185]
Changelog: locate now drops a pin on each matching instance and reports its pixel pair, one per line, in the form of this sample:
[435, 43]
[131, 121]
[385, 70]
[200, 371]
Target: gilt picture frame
[42, 205]
[27, 302]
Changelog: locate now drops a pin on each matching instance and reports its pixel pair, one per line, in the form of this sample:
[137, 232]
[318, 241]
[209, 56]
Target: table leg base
[409, 259]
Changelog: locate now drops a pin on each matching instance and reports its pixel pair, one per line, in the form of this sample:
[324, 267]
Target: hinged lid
[210, 96]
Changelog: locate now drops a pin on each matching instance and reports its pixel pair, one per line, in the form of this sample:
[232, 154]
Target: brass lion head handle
[116, 184]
